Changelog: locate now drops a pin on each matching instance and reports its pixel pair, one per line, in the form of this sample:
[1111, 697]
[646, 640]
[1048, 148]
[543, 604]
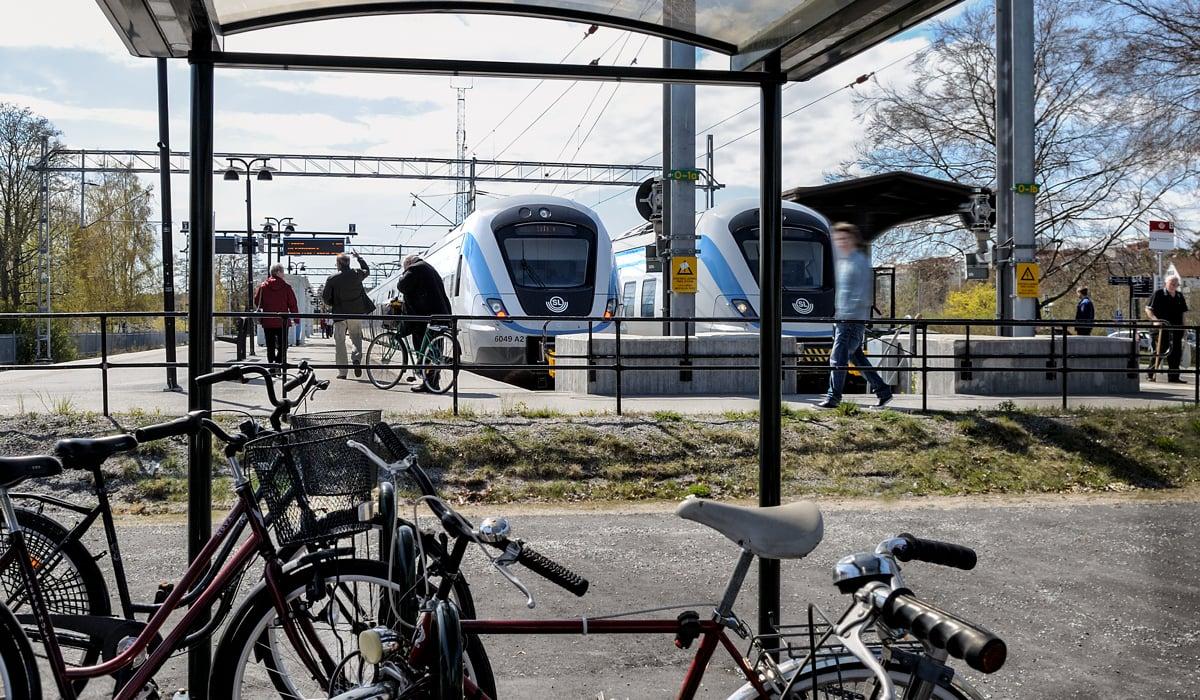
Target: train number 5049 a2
[509, 339]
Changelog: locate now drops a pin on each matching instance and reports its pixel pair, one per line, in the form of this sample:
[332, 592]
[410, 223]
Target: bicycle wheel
[70, 580]
[853, 680]
[19, 679]
[334, 600]
[438, 372]
[390, 349]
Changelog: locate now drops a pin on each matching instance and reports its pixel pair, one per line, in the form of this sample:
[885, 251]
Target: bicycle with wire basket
[313, 489]
[887, 645]
[391, 356]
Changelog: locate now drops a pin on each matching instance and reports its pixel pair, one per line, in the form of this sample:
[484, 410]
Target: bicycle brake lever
[501, 564]
[849, 632]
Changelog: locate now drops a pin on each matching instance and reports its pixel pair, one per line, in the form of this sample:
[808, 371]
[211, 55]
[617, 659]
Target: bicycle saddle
[14, 470]
[789, 531]
[88, 453]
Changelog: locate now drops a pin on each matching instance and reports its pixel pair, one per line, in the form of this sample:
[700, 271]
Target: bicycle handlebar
[551, 570]
[934, 552]
[979, 647]
[187, 425]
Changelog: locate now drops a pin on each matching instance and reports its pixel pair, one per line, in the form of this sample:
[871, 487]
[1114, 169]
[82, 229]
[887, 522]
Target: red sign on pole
[1162, 226]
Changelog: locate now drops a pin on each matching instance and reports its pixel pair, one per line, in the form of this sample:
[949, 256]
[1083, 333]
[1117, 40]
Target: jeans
[353, 327]
[276, 345]
[847, 349]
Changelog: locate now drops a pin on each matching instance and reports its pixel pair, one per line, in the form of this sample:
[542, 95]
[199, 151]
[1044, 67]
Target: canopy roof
[880, 202]
[811, 35]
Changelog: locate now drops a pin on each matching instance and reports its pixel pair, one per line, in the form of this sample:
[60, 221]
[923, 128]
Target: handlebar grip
[223, 375]
[552, 571]
[935, 552]
[302, 376]
[982, 650]
[187, 425]
[391, 442]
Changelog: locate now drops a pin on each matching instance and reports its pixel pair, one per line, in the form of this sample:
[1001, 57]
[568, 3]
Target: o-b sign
[683, 274]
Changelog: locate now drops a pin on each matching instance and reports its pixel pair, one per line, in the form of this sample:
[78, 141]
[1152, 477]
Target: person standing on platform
[1084, 311]
[424, 295]
[344, 294]
[275, 295]
[1167, 309]
[852, 308]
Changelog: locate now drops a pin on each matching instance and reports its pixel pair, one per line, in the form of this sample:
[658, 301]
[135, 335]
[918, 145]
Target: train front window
[803, 257]
[544, 262]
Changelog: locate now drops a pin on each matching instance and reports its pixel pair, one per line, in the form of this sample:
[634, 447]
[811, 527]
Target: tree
[976, 300]
[21, 135]
[1097, 178]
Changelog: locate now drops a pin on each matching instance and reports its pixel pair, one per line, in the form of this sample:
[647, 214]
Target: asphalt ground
[1096, 597]
[142, 389]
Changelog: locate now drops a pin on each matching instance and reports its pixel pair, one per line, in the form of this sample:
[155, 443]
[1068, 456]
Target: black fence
[1053, 359]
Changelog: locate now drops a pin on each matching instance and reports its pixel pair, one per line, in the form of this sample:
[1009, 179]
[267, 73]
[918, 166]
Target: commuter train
[528, 255]
[728, 277]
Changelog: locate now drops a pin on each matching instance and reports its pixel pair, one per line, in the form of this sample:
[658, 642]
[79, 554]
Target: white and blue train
[728, 277]
[528, 255]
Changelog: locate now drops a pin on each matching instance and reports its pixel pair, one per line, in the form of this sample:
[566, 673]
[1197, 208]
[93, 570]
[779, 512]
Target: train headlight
[742, 307]
[497, 307]
[610, 308]
[544, 213]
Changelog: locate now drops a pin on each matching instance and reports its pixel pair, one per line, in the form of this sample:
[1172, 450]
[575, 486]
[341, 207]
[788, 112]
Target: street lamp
[282, 225]
[263, 175]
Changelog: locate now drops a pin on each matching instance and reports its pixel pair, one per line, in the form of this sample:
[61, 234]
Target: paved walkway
[142, 388]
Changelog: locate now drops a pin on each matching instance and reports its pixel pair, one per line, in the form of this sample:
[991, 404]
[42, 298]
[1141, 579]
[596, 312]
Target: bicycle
[851, 667]
[391, 354]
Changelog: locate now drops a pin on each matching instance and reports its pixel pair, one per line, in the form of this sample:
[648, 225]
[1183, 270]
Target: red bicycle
[888, 644]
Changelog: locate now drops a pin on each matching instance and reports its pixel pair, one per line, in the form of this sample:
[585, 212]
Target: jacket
[855, 282]
[344, 291]
[275, 295]
[423, 292]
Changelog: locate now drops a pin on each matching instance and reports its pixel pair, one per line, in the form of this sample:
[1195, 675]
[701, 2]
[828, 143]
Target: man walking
[1167, 309]
[423, 293]
[1084, 311]
[855, 286]
[276, 295]
[344, 294]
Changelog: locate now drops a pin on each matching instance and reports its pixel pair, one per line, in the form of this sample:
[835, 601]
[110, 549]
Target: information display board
[313, 246]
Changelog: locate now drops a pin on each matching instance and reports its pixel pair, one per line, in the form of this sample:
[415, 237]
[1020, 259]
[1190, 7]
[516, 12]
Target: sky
[62, 59]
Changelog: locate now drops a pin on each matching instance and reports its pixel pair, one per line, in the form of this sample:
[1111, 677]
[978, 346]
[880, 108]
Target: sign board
[1028, 276]
[683, 274]
[1115, 280]
[653, 262]
[313, 246]
[1142, 287]
[1026, 188]
[685, 174]
[649, 198]
[231, 245]
[1162, 235]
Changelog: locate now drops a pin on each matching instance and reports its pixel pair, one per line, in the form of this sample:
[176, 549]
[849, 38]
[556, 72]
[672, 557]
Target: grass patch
[667, 416]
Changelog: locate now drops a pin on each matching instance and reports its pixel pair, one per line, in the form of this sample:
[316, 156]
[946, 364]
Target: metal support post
[200, 333]
[1004, 181]
[168, 246]
[42, 349]
[710, 194]
[249, 323]
[679, 152]
[770, 275]
[1024, 248]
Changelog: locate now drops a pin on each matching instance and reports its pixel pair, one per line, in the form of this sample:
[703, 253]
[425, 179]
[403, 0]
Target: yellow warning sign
[1028, 276]
[683, 274]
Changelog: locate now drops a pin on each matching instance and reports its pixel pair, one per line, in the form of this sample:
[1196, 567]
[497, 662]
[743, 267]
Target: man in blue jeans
[855, 288]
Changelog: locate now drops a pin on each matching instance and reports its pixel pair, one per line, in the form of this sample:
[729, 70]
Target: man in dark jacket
[1084, 311]
[1167, 309]
[344, 294]
[423, 294]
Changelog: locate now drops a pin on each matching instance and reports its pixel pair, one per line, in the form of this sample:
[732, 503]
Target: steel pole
[1004, 181]
[679, 152]
[770, 275]
[200, 334]
[168, 246]
[1024, 248]
[249, 327]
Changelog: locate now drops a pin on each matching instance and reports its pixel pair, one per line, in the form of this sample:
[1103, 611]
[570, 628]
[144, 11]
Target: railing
[1057, 363]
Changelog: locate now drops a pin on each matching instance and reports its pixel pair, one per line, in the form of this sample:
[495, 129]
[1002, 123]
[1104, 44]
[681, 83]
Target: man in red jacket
[276, 295]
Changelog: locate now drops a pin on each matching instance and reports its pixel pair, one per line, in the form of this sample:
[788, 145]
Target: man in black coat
[1167, 309]
[344, 294]
[424, 295]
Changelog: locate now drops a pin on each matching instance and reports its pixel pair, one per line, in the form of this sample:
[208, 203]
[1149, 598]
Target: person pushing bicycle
[421, 288]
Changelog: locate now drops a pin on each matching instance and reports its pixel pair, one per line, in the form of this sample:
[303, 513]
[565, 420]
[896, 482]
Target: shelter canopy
[811, 35]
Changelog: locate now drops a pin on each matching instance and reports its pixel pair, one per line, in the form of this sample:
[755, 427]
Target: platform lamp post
[264, 175]
[282, 225]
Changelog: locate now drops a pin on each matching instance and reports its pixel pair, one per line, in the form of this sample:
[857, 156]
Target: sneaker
[342, 376]
[357, 369]
[884, 399]
[827, 402]
[419, 389]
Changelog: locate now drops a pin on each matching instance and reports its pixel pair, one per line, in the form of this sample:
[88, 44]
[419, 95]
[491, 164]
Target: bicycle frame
[258, 543]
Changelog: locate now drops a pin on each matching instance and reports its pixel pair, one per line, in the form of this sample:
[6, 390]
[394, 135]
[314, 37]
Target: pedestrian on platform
[1166, 309]
[344, 294]
[1084, 311]
[276, 295]
[852, 307]
[424, 295]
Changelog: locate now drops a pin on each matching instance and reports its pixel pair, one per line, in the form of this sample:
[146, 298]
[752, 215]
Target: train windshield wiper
[529, 272]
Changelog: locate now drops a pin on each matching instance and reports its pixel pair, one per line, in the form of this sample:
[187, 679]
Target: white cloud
[63, 24]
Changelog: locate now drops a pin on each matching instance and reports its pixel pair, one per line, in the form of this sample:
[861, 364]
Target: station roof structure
[809, 36]
[877, 203]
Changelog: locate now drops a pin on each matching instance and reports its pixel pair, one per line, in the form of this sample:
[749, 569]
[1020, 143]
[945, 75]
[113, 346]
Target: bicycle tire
[74, 585]
[383, 351]
[19, 678]
[833, 682]
[243, 643]
[438, 372]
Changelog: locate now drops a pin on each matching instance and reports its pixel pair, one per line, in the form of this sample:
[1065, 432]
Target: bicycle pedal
[164, 590]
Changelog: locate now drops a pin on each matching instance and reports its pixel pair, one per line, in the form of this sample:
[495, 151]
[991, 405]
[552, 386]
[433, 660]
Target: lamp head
[264, 175]
[230, 174]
